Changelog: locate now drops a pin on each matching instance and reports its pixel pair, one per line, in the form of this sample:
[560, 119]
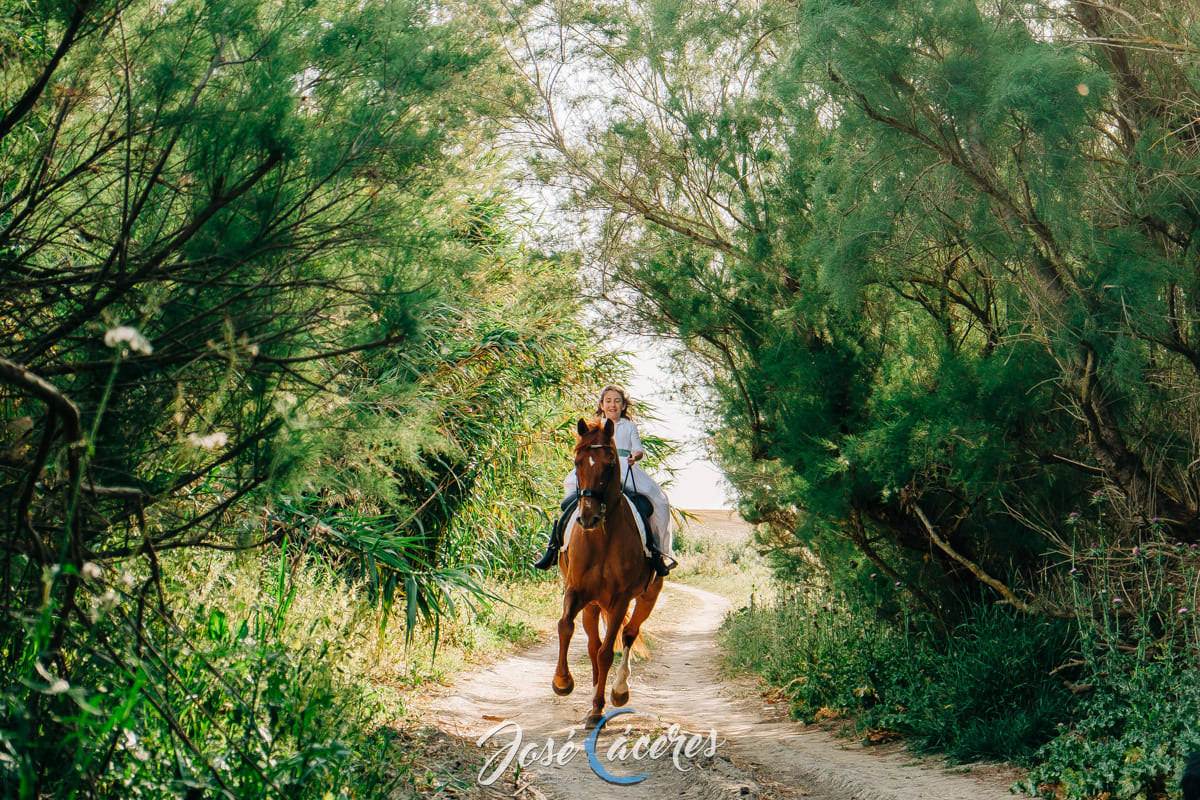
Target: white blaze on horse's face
[597, 467]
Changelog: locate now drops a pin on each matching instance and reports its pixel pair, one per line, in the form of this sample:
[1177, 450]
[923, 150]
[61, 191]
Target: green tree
[259, 284]
[934, 258]
[213, 194]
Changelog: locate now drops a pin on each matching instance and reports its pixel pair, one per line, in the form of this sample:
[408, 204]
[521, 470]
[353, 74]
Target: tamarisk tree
[934, 257]
[258, 282]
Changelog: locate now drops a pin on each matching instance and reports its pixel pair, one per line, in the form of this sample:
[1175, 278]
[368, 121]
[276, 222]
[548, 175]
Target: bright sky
[698, 485]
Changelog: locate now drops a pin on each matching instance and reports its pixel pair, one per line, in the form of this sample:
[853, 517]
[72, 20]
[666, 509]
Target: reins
[630, 477]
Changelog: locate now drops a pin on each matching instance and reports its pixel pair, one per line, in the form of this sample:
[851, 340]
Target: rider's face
[612, 404]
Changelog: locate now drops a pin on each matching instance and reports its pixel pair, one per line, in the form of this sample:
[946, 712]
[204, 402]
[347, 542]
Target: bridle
[599, 494]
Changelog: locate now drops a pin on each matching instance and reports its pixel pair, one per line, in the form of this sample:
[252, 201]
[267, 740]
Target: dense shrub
[1131, 732]
[981, 690]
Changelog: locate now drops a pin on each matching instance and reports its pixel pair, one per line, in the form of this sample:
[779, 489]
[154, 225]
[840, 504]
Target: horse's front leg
[613, 618]
[591, 625]
[563, 682]
[641, 610]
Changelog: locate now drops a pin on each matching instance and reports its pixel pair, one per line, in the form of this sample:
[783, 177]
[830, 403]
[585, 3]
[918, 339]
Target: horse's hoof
[566, 688]
[593, 720]
[620, 698]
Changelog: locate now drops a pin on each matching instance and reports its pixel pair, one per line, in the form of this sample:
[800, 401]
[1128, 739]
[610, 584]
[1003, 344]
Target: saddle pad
[641, 528]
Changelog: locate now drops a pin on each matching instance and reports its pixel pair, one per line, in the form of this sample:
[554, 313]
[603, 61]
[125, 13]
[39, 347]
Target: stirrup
[662, 564]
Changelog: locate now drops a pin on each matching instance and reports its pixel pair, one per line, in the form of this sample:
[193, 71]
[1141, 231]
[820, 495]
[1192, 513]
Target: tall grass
[1101, 699]
[247, 691]
[271, 678]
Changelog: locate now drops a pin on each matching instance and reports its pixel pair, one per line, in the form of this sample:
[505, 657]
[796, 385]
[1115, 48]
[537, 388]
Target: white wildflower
[213, 441]
[103, 605]
[123, 334]
[91, 571]
[129, 741]
[57, 684]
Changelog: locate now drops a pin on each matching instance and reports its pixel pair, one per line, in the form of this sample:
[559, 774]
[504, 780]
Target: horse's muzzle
[591, 517]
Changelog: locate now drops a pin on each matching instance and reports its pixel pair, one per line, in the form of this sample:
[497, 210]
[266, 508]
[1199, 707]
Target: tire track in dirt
[760, 754]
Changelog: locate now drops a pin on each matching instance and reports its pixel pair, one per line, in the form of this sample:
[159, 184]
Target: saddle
[644, 507]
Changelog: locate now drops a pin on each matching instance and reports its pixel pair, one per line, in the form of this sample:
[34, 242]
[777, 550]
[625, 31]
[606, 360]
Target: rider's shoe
[662, 564]
[552, 547]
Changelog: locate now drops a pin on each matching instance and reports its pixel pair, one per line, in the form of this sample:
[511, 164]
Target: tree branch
[971, 566]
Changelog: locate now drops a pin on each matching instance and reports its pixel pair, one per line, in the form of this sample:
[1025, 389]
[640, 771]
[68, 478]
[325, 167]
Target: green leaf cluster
[936, 261]
[264, 286]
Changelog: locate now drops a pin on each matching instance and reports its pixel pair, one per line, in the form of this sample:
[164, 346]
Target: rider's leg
[659, 545]
[550, 558]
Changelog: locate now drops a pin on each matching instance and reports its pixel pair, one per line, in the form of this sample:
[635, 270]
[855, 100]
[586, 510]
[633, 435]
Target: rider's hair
[625, 412]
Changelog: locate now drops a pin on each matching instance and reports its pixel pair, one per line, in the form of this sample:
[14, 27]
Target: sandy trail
[759, 752]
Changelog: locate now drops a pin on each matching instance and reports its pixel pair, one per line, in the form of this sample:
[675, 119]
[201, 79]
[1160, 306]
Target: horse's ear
[608, 427]
[582, 427]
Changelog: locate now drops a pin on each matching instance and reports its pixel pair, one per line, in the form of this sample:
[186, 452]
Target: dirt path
[728, 743]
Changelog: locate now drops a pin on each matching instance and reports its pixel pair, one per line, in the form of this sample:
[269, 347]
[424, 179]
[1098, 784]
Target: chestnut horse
[604, 569]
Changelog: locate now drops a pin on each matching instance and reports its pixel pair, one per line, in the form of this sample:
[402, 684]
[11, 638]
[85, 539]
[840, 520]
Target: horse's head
[598, 468]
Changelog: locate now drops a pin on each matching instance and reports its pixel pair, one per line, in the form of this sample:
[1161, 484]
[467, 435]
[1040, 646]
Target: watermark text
[515, 752]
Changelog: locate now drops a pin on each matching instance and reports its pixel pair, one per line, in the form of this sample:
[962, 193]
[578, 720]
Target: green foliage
[262, 282]
[935, 261]
[1134, 721]
[1131, 732]
[980, 691]
[243, 694]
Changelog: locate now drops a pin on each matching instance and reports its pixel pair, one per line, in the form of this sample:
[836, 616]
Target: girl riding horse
[614, 406]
